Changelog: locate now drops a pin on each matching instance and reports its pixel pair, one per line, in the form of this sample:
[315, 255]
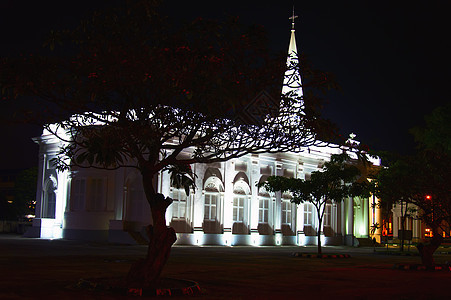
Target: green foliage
[131, 56]
[182, 176]
[129, 88]
[336, 181]
[25, 191]
[436, 135]
[412, 178]
[423, 179]
[374, 228]
[20, 201]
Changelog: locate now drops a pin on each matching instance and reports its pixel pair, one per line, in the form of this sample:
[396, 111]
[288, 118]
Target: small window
[286, 212]
[96, 194]
[238, 208]
[78, 194]
[327, 214]
[263, 210]
[178, 204]
[211, 200]
[308, 214]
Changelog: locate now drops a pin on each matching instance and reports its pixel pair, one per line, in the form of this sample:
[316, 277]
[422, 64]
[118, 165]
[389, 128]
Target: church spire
[292, 83]
[292, 47]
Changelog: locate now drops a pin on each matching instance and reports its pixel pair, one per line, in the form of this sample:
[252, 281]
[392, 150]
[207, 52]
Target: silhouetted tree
[338, 179]
[18, 195]
[131, 90]
[25, 191]
[422, 180]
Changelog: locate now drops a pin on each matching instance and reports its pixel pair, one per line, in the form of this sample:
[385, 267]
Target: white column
[228, 195]
[349, 238]
[253, 180]
[416, 232]
[198, 203]
[278, 208]
[61, 202]
[343, 218]
[300, 218]
[366, 212]
[164, 188]
[119, 193]
[40, 185]
[300, 207]
[334, 217]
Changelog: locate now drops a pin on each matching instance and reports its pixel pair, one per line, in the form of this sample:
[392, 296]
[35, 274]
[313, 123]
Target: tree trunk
[403, 224]
[320, 221]
[319, 243]
[427, 250]
[145, 272]
[402, 230]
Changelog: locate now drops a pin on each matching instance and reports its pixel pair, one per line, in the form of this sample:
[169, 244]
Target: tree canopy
[422, 179]
[128, 88]
[19, 200]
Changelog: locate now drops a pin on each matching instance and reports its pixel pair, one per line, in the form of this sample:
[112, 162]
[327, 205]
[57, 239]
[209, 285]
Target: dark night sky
[391, 58]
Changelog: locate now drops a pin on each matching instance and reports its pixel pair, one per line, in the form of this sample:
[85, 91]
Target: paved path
[44, 269]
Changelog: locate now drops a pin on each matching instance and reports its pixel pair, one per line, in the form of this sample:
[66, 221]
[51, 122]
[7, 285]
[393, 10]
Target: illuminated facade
[226, 209]
[415, 230]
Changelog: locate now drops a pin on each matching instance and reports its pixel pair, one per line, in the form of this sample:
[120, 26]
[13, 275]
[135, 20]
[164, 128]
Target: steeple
[292, 83]
[292, 47]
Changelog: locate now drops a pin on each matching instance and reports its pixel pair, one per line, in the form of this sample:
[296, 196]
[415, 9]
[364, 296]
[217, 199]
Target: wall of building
[227, 207]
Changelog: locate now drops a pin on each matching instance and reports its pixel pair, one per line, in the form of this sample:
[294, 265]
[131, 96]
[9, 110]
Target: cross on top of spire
[292, 19]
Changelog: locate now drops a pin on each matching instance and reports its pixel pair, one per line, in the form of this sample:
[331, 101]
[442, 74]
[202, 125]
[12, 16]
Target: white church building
[226, 209]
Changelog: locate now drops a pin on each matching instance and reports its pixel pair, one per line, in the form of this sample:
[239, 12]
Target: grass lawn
[37, 269]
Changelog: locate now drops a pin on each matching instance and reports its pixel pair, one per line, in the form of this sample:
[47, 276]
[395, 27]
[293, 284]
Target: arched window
[240, 215]
[49, 204]
[240, 206]
[264, 201]
[212, 196]
[265, 208]
[287, 208]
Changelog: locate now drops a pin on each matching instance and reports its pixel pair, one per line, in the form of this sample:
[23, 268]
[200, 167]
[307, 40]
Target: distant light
[428, 197]
[199, 238]
[10, 201]
[362, 230]
[278, 239]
